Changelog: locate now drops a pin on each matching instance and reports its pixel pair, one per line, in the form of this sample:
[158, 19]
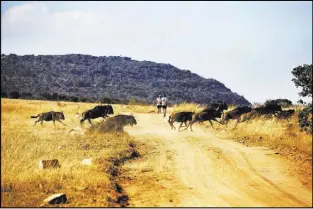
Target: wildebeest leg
[190, 124]
[171, 122]
[89, 121]
[211, 124]
[61, 122]
[37, 122]
[172, 125]
[180, 126]
[217, 121]
[238, 121]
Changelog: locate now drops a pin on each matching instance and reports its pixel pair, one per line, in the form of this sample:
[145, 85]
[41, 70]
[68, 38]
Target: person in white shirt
[159, 103]
[164, 105]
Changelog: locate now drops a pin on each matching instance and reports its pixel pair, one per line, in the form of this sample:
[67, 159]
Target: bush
[27, 95]
[3, 94]
[14, 94]
[54, 96]
[73, 99]
[83, 100]
[305, 119]
[280, 102]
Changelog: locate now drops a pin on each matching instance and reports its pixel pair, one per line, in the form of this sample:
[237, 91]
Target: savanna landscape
[156, 104]
[261, 163]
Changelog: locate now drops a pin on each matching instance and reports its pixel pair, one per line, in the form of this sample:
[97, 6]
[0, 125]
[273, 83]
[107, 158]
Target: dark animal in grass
[285, 114]
[116, 123]
[207, 115]
[266, 111]
[220, 106]
[50, 116]
[97, 112]
[269, 109]
[181, 117]
[216, 106]
[235, 114]
[246, 117]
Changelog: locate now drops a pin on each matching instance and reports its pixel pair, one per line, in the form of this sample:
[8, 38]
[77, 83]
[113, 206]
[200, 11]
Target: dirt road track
[222, 173]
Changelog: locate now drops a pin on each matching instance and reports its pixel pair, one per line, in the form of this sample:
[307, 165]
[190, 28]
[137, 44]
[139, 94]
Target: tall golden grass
[23, 184]
[186, 107]
[273, 132]
[23, 145]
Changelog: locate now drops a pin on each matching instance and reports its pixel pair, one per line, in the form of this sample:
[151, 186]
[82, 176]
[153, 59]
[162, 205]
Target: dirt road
[215, 172]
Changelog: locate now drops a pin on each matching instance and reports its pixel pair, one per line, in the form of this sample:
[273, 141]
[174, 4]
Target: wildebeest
[216, 107]
[285, 114]
[50, 116]
[97, 112]
[235, 114]
[268, 110]
[182, 117]
[116, 123]
[208, 114]
[219, 105]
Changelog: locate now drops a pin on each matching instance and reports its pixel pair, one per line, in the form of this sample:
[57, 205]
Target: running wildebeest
[267, 111]
[285, 114]
[235, 114]
[50, 116]
[208, 114]
[116, 123]
[182, 117]
[97, 112]
[220, 106]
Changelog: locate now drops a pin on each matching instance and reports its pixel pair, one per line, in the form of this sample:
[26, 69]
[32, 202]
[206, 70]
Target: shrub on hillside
[105, 100]
[14, 94]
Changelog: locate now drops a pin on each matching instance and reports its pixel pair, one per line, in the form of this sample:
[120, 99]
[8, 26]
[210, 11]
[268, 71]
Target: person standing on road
[159, 103]
[164, 105]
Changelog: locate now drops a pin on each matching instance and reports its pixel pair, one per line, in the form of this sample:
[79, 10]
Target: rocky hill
[89, 78]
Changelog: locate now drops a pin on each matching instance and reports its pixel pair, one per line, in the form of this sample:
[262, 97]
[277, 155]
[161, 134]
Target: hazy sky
[251, 47]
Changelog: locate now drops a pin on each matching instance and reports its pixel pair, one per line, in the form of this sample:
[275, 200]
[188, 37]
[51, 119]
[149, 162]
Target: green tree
[303, 78]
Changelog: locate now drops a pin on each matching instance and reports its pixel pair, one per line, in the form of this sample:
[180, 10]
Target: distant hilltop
[80, 77]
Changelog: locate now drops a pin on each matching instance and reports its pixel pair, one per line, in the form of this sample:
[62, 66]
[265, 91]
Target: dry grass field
[163, 153]
[23, 184]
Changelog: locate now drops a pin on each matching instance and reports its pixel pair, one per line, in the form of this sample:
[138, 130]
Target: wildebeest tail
[34, 116]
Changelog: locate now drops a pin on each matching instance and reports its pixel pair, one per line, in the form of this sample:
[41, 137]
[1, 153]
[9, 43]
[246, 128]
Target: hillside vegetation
[79, 77]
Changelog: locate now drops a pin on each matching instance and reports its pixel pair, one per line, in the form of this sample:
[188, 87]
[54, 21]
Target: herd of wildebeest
[216, 110]
[211, 113]
[115, 123]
